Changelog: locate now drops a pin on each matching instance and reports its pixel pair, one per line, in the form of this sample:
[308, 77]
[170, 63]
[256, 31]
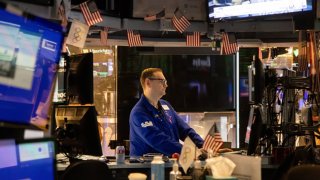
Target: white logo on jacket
[146, 124]
[165, 107]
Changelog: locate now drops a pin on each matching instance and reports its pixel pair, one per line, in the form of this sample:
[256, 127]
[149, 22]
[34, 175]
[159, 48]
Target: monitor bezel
[286, 15]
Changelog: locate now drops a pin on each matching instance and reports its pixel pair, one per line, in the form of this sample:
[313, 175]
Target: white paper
[187, 154]
[247, 167]
[221, 167]
[77, 34]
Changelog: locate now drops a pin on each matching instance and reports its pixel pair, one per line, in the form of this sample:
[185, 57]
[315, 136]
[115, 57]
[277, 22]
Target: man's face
[158, 84]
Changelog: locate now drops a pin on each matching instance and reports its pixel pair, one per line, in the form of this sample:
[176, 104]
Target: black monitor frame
[80, 79]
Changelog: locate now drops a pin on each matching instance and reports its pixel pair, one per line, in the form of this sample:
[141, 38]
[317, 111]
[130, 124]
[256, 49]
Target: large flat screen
[196, 82]
[235, 9]
[201, 83]
[29, 55]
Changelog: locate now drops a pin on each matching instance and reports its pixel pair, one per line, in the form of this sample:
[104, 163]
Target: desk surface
[61, 166]
[120, 171]
[63, 163]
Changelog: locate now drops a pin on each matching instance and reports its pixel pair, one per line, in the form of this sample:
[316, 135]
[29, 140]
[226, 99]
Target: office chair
[87, 170]
[304, 171]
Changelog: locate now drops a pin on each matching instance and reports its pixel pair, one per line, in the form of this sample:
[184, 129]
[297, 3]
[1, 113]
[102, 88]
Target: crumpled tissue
[221, 167]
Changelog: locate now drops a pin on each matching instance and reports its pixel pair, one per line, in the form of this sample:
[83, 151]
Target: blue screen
[29, 54]
[27, 160]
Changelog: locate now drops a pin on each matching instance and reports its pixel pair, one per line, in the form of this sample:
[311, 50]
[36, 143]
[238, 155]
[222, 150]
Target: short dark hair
[146, 73]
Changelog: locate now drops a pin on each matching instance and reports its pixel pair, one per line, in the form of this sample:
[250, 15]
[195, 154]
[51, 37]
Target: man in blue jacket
[155, 127]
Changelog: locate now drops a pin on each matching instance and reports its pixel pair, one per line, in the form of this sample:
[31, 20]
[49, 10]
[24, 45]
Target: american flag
[213, 140]
[104, 35]
[134, 38]
[193, 39]
[90, 12]
[229, 44]
[179, 21]
[62, 14]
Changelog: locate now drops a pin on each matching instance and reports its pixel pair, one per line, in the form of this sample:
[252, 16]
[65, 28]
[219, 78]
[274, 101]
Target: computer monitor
[29, 54]
[28, 159]
[77, 130]
[80, 79]
[199, 80]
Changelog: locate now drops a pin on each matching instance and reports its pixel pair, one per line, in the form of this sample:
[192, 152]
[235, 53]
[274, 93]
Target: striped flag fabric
[104, 35]
[229, 44]
[213, 140]
[193, 39]
[156, 16]
[179, 21]
[90, 12]
[134, 38]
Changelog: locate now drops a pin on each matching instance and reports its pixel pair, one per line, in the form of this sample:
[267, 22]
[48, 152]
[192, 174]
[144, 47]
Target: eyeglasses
[163, 81]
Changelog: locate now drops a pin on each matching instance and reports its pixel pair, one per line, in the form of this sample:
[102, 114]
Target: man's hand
[202, 154]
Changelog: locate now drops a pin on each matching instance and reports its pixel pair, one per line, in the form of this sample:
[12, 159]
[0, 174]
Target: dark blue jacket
[158, 131]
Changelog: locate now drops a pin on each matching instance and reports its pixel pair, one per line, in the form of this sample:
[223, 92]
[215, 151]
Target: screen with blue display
[235, 9]
[30, 159]
[29, 55]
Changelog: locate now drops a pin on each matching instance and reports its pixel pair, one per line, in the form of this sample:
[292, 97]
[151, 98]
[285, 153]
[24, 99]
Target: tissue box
[226, 178]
